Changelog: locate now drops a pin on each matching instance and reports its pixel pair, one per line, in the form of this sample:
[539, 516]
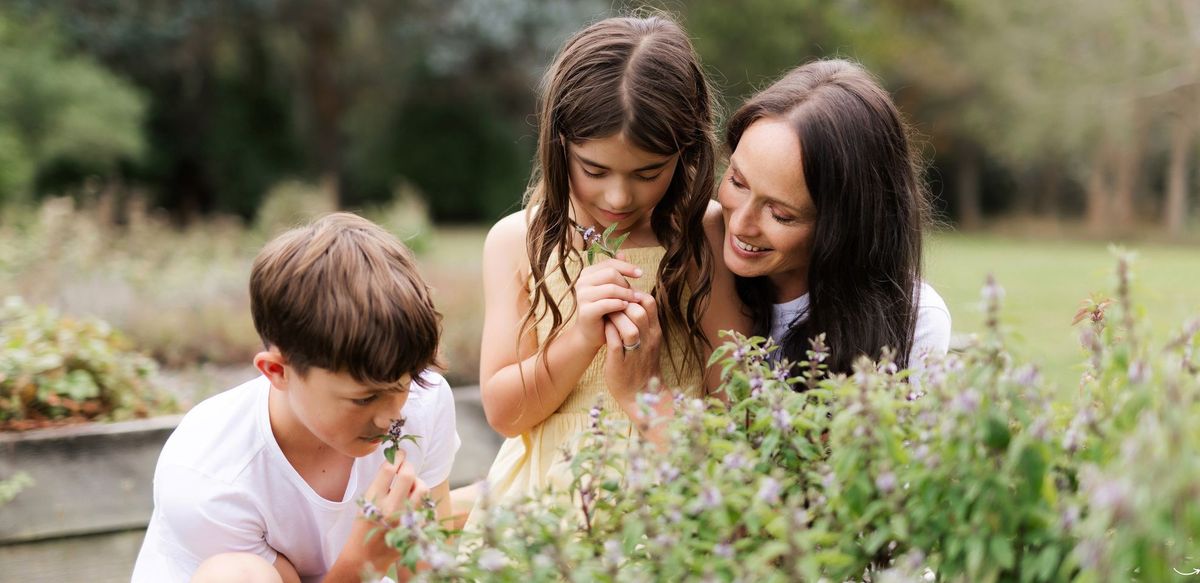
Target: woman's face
[769, 214]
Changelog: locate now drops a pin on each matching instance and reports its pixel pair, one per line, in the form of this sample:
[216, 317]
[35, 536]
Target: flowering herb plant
[978, 471]
[598, 243]
[391, 440]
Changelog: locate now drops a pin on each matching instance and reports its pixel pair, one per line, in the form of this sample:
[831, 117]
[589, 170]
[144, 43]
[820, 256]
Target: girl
[625, 139]
[824, 206]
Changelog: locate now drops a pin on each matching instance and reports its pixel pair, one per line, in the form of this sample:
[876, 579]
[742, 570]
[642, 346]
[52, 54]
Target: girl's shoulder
[505, 242]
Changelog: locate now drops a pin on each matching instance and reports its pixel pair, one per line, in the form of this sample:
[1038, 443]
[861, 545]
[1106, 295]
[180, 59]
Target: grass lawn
[1044, 283]
[1044, 280]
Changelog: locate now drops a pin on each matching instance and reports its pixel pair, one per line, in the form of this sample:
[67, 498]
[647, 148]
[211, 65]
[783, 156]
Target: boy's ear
[272, 365]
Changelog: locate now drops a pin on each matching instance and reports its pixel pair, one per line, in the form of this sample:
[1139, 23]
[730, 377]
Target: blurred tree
[60, 113]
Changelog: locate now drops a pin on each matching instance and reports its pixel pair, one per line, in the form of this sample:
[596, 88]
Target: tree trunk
[1175, 211]
[1050, 201]
[1125, 179]
[967, 187]
[324, 93]
[1097, 192]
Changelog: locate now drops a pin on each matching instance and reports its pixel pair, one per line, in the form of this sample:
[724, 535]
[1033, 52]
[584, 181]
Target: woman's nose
[741, 219]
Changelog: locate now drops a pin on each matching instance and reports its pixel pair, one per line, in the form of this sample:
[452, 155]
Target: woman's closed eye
[734, 181]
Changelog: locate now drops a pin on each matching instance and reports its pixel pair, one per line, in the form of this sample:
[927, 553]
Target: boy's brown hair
[344, 295]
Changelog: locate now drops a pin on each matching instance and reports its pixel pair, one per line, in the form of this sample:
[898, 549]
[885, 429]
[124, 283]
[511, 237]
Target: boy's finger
[419, 492]
[380, 484]
[401, 486]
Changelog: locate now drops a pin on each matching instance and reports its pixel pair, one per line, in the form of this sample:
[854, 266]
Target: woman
[823, 209]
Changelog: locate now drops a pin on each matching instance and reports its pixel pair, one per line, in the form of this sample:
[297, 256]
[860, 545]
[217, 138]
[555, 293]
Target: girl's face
[769, 214]
[613, 181]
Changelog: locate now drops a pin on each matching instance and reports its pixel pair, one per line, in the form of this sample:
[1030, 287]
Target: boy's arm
[201, 517]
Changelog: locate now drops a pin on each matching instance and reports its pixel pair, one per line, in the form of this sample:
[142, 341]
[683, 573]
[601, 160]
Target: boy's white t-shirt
[222, 484]
[931, 336]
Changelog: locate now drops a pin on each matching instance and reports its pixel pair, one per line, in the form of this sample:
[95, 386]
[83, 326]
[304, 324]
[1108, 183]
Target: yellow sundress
[535, 460]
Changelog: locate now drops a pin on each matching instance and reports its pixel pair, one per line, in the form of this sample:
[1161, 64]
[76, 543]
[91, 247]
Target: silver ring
[633, 346]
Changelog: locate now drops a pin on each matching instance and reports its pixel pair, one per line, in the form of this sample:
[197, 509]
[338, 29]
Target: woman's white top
[932, 335]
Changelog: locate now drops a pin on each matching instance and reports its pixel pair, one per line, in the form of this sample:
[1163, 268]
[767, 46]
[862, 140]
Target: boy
[262, 482]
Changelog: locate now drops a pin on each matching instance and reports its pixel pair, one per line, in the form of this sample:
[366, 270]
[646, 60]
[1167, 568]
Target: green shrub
[59, 369]
[971, 474]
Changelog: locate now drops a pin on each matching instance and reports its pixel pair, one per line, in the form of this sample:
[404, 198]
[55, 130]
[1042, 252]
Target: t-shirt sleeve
[199, 517]
[442, 443]
[932, 334]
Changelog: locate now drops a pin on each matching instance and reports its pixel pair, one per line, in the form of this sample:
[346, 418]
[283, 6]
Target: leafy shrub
[976, 472]
[57, 369]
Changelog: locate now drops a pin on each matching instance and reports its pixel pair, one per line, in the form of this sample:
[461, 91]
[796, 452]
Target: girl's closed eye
[734, 181]
[649, 178]
[597, 174]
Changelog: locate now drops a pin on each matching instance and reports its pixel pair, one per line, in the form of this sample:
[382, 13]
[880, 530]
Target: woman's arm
[519, 389]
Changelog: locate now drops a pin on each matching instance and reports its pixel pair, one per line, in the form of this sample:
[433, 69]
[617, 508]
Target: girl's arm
[725, 310]
[519, 389]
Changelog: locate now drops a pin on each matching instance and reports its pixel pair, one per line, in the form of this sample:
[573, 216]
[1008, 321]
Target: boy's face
[337, 410]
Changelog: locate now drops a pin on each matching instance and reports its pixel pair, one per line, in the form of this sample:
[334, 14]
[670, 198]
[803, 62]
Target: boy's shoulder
[222, 434]
[429, 400]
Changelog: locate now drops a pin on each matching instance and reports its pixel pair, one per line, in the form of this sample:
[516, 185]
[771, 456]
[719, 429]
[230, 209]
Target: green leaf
[616, 245]
[1002, 553]
[591, 255]
[389, 453]
[608, 231]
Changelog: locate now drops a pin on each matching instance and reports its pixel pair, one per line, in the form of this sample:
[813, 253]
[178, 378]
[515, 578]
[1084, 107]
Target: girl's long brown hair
[639, 77]
[864, 178]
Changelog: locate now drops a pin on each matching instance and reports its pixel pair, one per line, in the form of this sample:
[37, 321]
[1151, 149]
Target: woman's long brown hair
[864, 177]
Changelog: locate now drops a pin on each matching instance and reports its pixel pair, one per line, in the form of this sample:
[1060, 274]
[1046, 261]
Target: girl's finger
[380, 484]
[630, 335]
[601, 308]
[591, 293]
[612, 339]
[610, 270]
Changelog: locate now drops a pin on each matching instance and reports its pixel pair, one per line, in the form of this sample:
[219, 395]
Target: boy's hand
[395, 488]
[600, 290]
[634, 340]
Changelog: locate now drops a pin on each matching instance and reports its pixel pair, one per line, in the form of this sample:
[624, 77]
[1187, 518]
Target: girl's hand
[602, 289]
[634, 340]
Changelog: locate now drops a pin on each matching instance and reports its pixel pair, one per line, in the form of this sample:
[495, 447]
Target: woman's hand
[634, 340]
[602, 289]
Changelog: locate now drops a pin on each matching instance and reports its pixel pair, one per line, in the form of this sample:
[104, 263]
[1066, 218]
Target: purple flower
[781, 419]
[396, 430]
[590, 236]
[613, 554]
[781, 372]
[735, 461]
[966, 402]
[756, 385]
[769, 490]
[724, 550]
[886, 482]
[440, 561]
[371, 512]
[710, 498]
[1138, 372]
[492, 560]
[667, 472]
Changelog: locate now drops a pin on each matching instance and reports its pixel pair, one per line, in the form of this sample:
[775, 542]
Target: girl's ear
[272, 365]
